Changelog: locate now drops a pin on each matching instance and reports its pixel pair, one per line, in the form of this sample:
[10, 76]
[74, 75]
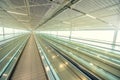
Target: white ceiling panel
[85, 14]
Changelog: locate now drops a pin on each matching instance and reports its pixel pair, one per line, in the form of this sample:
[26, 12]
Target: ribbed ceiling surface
[23, 13]
[84, 14]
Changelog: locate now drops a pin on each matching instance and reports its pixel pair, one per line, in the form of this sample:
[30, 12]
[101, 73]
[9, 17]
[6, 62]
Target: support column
[3, 33]
[70, 31]
[114, 38]
[13, 32]
[70, 34]
[57, 34]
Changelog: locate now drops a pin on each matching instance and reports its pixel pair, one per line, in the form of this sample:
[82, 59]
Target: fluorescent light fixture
[42, 57]
[91, 64]
[17, 13]
[90, 16]
[110, 24]
[39, 50]
[24, 20]
[66, 63]
[65, 22]
[47, 68]
[53, 57]
[61, 65]
[5, 75]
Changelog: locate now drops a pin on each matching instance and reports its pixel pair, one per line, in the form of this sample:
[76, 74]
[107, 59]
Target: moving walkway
[95, 64]
[9, 54]
[34, 57]
[29, 67]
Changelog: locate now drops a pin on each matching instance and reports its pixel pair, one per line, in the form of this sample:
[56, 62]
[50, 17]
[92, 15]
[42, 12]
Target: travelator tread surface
[29, 67]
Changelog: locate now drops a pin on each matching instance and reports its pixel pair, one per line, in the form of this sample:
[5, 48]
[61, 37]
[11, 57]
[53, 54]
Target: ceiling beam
[93, 17]
[14, 18]
[64, 6]
[26, 2]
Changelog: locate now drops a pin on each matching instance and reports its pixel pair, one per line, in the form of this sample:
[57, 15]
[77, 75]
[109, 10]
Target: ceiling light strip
[17, 13]
[65, 6]
[93, 17]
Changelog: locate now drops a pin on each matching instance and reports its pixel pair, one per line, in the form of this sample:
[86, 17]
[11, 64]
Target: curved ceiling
[60, 14]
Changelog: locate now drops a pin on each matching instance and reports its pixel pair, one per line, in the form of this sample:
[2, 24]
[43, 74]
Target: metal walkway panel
[29, 67]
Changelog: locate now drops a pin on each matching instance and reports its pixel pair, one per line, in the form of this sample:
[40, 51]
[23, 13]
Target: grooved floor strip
[29, 66]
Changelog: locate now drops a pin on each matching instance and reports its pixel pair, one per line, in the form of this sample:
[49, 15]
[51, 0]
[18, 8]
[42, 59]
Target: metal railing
[87, 42]
[9, 39]
[52, 75]
[6, 71]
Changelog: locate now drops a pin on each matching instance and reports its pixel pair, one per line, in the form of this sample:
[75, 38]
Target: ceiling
[60, 14]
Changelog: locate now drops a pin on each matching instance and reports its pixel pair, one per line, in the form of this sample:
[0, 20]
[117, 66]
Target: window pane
[103, 35]
[1, 30]
[8, 30]
[118, 37]
[64, 33]
[118, 41]
[54, 32]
